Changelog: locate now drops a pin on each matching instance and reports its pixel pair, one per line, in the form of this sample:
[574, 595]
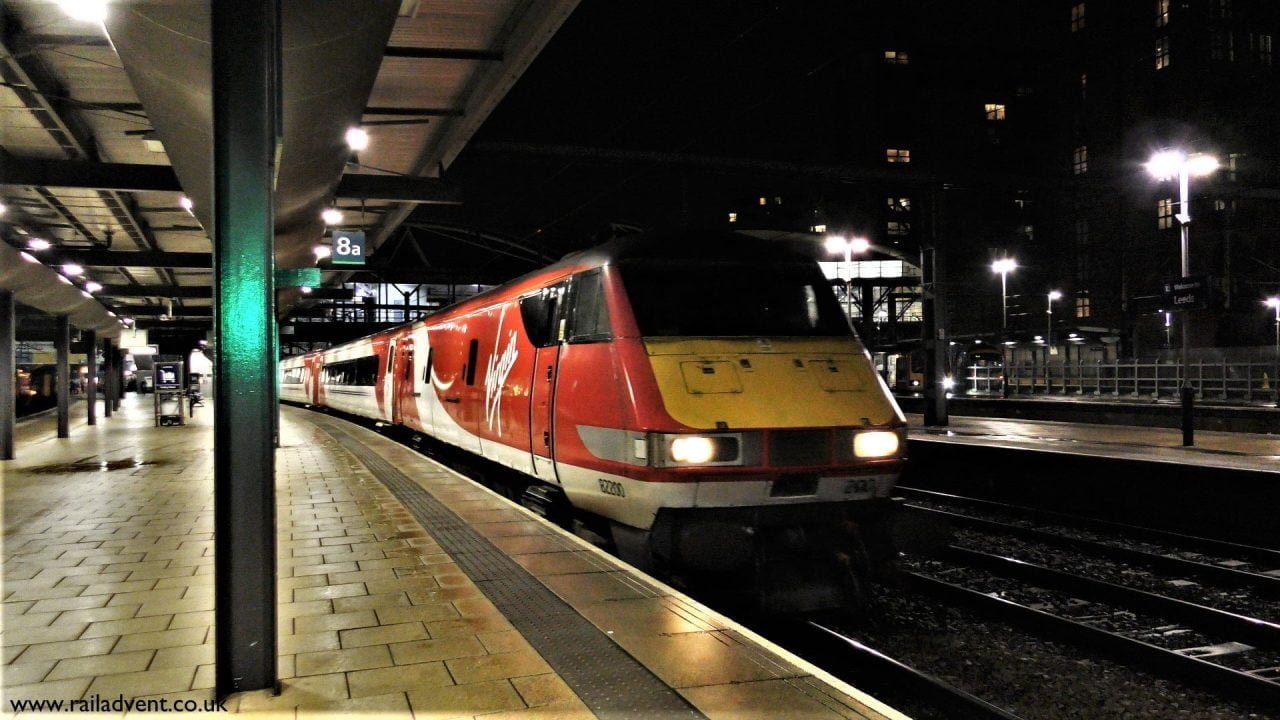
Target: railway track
[853, 661]
[1217, 561]
[1232, 653]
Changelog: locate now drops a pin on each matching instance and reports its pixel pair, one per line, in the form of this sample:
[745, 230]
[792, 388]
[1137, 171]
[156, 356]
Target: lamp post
[1274, 302]
[1004, 266]
[1167, 165]
[1048, 335]
[836, 244]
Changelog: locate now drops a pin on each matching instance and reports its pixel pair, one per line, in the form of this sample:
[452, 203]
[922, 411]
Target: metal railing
[1243, 381]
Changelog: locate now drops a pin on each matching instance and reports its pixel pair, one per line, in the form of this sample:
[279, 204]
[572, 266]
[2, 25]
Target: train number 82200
[612, 487]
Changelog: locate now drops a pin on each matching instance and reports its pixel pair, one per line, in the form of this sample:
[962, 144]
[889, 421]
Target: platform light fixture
[1003, 267]
[1170, 165]
[1053, 295]
[357, 139]
[322, 251]
[305, 290]
[3, 208]
[94, 11]
[72, 269]
[38, 244]
[837, 244]
[29, 257]
[331, 216]
[186, 203]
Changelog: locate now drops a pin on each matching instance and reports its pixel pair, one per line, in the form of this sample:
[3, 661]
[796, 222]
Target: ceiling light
[85, 293]
[38, 244]
[92, 286]
[186, 203]
[94, 11]
[154, 146]
[72, 269]
[331, 216]
[322, 251]
[357, 139]
[3, 208]
[305, 290]
[28, 257]
[64, 279]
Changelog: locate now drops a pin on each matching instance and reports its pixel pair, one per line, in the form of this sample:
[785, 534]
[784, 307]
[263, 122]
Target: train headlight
[683, 450]
[875, 444]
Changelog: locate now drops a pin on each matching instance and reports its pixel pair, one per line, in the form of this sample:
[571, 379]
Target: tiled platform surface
[107, 590]
[1243, 451]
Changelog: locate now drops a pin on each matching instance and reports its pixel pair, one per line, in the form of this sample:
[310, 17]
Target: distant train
[35, 389]
[697, 399]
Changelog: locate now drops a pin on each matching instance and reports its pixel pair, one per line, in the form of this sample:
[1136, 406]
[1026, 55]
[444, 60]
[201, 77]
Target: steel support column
[108, 377]
[62, 348]
[8, 376]
[246, 50]
[91, 377]
[933, 308]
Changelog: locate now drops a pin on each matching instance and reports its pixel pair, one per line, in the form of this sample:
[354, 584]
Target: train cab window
[473, 353]
[589, 314]
[538, 312]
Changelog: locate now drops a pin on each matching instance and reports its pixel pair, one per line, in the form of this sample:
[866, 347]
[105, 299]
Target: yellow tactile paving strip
[107, 591]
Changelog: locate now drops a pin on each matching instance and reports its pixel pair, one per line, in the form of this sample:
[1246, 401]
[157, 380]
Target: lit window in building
[764, 201]
[995, 111]
[898, 228]
[1077, 17]
[777, 201]
[895, 57]
[1162, 53]
[1082, 307]
[1219, 204]
[1164, 213]
[1080, 160]
[1162, 13]
[899, 204]
[818, 228]
[897, 155]
[733, 217]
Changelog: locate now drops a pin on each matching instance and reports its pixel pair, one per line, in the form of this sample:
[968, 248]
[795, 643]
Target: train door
[387, 411]
[402, 386]
[544, 325]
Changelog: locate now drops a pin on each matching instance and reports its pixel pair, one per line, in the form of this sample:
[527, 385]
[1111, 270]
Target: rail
[1248, 381]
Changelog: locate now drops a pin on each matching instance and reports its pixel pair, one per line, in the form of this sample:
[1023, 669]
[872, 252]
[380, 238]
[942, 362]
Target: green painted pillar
[245, 37]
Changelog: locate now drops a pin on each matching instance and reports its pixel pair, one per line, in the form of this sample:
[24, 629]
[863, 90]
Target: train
[695, 399]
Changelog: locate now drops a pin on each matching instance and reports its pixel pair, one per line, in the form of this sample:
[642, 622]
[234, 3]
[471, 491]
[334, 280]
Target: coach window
[538, 312]
[589, 321]
[366, 370]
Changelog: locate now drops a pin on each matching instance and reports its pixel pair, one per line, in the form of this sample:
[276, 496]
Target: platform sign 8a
[348, 248]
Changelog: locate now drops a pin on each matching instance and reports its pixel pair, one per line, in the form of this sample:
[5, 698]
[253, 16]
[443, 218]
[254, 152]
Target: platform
[404, 588]
[1230, 450]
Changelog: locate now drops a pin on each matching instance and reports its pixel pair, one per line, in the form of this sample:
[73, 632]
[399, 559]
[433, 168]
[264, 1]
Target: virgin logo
[496, 372]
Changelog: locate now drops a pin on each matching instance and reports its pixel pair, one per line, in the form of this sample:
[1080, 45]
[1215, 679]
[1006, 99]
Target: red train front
[698, 399]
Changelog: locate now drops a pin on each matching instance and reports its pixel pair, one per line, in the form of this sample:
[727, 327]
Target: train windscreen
[731, 299]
